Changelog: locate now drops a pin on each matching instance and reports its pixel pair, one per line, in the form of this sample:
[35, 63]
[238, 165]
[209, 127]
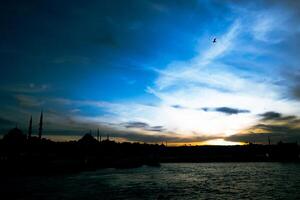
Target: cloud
[178, 106]
[242, 70]
[29, 101]
[224, 44]
[196, 71]
[276, 133]
[211, 79]
[26, 88]
[275, 125]
[275, 116]
[256, 44]
[271, 25]
[58, 124]
[143, 126]
[270, 115]
[274, 27]
[135, 125]
[226, 110]
[156, 128]
[293, 75]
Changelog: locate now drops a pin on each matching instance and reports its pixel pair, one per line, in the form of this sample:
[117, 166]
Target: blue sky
[145, 70]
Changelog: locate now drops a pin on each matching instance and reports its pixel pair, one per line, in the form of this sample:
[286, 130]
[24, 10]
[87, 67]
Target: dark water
[170, 181]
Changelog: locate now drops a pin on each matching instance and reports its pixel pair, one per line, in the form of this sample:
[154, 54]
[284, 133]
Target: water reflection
[170, 181]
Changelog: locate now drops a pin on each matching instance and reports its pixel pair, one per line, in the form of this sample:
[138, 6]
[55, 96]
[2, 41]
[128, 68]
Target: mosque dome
[15, 135]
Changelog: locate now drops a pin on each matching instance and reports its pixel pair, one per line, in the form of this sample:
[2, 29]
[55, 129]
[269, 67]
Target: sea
[169, 181]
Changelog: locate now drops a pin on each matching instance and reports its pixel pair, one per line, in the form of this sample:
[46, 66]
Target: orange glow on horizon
[221, 142]
[217, 142]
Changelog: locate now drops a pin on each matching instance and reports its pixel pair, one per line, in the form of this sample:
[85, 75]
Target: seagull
[215, 40]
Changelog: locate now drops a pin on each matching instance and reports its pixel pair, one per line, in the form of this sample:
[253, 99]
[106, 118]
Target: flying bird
[215, 40]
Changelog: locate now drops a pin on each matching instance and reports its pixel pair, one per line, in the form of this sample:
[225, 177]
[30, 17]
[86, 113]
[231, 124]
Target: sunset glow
[207, 73]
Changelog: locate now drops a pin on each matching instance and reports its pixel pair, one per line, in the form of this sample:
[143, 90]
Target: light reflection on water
[170, 181]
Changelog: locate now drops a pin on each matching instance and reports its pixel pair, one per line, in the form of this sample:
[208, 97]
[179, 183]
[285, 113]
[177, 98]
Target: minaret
[98, 134]
[269, 140]
[30, 128]
[107, 137]
[41, 126]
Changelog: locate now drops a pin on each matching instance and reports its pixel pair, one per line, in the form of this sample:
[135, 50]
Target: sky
[149, 71]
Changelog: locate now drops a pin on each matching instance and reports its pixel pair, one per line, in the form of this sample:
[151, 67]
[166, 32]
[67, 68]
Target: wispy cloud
[214, 81]
[26, 88]
[223, 45]
[191, 72]
[28, 101]
[271, 25]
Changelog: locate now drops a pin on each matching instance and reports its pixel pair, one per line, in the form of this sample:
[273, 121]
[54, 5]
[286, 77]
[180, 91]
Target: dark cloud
[231, 111]
[178, 106]
[274, 125]
[270, 115]
[275, 132]
[144, 126]
[156, 128]
[160, 138]
[225, 110]
[132, 136]
[135, 125]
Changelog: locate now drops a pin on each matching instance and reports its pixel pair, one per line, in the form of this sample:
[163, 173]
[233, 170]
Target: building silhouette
[30, 128]
[41, 125]
[15, 137]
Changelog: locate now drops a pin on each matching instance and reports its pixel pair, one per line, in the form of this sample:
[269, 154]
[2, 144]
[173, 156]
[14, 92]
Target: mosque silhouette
[36, 154]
